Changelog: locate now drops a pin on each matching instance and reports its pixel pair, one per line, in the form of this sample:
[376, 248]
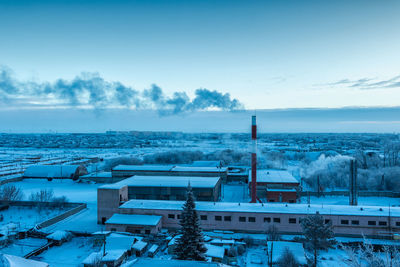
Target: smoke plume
[91, 90]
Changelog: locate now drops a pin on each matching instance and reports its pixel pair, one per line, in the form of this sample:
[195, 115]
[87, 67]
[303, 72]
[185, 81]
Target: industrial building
[276, 185]
[55, 171]
[351, 221]
[125, 171]
[137, 224]
[156, 187]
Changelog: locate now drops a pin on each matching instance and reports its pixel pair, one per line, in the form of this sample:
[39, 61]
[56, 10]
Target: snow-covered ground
[71, 253]
[344, 200]
[22, 247]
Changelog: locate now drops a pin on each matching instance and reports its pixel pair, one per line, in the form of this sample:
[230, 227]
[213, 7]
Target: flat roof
[287, 208]
[198, 169]
[145, 262]
[134, 219]
[274, 176]
[164, 168]
[98, 174]
[165, 181]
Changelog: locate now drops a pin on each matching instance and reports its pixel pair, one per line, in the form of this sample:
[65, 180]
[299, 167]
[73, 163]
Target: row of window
[278, 220]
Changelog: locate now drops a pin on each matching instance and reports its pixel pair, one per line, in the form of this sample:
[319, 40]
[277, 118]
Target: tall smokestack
[254, 160]
[353, 183]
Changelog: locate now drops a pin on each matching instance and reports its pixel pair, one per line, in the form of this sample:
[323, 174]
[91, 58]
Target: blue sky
[266, 54]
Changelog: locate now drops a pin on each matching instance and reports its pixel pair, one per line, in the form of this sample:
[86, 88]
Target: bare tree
[44, 195]
[273, 233]
[10, 193]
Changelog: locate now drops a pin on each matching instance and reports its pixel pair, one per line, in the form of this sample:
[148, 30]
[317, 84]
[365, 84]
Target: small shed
[134, 223]
[216, 253]
[93, 259]
[59, 237]
[114, 257]
[139, 247]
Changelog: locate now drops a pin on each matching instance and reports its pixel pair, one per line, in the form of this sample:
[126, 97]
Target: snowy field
[22, 247]
[24, 218]
[344, 200]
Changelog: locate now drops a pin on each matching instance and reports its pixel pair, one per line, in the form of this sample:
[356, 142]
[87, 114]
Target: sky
[157, 54]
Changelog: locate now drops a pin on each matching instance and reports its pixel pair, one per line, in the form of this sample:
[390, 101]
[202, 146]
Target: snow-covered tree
[190, 245]
[318, 234]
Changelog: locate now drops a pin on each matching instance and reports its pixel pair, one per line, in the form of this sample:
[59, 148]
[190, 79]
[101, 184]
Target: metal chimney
[254, 160]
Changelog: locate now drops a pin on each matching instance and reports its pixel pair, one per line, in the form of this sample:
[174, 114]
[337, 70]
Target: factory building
[351, 221]
[155, 187]
[125, 171]
[276, 186]
[55, 171]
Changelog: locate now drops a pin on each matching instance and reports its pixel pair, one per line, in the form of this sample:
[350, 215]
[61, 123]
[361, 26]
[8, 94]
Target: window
[178, 216]
[113, 229]
[397, 223]
[147, 232]
[382, 223]
[171, 216]
[271, 200]
[242, 219]
[292, 220]
[344, 221]
[103, 220]
[355, 222]
[327, 221]
[267, 219]
[218, 218]
[371, 222]
[252, 219]
[292, 201]
[227, 218]
[203, 217]
[277, 220]
[137, 231]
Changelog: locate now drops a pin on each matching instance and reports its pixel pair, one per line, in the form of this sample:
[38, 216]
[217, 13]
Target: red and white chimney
[254, 160]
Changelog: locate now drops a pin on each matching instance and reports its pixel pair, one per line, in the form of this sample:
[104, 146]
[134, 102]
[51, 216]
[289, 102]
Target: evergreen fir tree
[318, 234]
[190, 245]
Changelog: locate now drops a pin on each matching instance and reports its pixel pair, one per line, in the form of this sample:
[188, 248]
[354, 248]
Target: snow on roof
[214, 251]
[173, 240]
[48, 171]
[113, 255]
[287, 208]
[153, 248]
[281, 190]
[15, 261]
[59, 235]
[274, 176]
[93, 257]
[198, 169]
[164, 168]
[139, 245]
[165, 181]
[279, 247]
[134, 219]
[143, 262]
[206, 163]
[98, 174]
[120, 242]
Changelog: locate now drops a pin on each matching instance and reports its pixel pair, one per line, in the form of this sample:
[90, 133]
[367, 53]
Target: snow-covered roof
[164, 168]
[134, 219]
[198, 169]
[165, 181]
[15, 261]
[120, 242]
[274, 176]
[206, 163]
[113, 255]
[98, 174]
[93, 257]
[279, 247]
[288, 208]
[214, 251]
[49, 171]
[281, 190]
[139, 245]
[143, 262]
[153, 248]
[59, 235]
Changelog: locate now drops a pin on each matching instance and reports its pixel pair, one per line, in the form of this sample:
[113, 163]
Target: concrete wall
[108, 201]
